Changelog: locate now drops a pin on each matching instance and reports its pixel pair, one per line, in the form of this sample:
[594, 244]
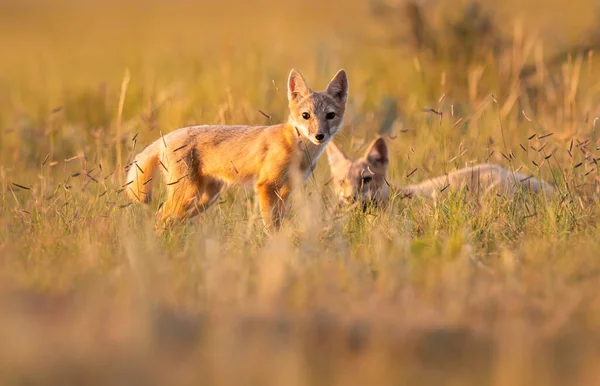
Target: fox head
[317, 115]
[361, 179]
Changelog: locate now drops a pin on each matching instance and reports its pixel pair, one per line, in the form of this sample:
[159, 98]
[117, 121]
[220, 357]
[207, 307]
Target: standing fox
[364, 178]
[198, 161]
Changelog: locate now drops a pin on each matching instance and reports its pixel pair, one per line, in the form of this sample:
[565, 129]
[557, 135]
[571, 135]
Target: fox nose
[320, 137]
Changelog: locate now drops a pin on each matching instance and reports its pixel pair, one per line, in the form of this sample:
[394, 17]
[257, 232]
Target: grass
[464, 290]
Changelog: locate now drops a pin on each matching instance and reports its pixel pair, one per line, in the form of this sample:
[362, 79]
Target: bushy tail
[141, 172]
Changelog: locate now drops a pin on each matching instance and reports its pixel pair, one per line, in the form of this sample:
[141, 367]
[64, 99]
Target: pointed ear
[335, 156]
[377, 153]
[338, 86]
[297, 87]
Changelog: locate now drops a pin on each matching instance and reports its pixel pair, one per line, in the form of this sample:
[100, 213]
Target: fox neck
[309, 151]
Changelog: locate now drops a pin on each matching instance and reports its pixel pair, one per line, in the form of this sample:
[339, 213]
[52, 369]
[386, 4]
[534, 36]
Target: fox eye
[306, 115]
[367, 179]
[330, 115]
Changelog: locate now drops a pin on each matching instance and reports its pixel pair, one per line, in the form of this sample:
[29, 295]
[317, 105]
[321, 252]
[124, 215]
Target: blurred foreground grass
[462, 291]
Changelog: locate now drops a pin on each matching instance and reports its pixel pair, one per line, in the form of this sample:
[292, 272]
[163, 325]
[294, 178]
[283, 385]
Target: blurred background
[187, 58]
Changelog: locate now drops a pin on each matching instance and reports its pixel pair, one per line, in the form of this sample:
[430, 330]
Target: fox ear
[297, 86]
[377, 153]
[335, 156]
[338, 86]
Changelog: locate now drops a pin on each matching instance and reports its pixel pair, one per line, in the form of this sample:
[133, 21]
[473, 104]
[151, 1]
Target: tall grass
[468, 289]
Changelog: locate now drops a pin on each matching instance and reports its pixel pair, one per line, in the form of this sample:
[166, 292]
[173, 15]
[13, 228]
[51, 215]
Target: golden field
[459, 291]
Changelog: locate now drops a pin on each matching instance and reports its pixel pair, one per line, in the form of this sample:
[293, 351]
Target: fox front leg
[273, 200]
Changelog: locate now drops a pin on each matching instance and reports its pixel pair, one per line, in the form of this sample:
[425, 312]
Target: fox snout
[318, 136]
[348, 195]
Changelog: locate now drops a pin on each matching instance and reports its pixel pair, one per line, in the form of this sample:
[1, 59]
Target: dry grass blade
[91, 178]
[118, 129]
[412, 172]
[432, 110]
[234, 168]
[180, 147]
[135, 195]
[177, 181]
[21, 186]
[163, 165]
[265, 114]
[583, 144]
[163, 139]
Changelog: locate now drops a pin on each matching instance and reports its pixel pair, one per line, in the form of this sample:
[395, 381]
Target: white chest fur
[310, 154]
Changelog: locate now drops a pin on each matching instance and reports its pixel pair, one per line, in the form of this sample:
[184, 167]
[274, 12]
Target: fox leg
[178, 201]
[210, 193]
[186, 202]
[272, 200]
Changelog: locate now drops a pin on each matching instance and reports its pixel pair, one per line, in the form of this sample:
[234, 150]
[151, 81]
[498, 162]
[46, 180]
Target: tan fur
[365, 178]
[199, 161]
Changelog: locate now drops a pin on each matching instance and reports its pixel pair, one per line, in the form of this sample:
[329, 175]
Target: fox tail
[141, 172]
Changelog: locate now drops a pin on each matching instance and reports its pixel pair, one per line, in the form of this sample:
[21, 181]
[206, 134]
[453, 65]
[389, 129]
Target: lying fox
[365, 178]
[198, 161]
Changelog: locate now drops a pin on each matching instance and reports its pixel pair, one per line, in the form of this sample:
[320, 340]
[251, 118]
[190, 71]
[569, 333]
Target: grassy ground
[466, 290]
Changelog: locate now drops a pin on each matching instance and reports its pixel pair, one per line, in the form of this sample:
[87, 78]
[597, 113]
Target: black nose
[320, 137]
